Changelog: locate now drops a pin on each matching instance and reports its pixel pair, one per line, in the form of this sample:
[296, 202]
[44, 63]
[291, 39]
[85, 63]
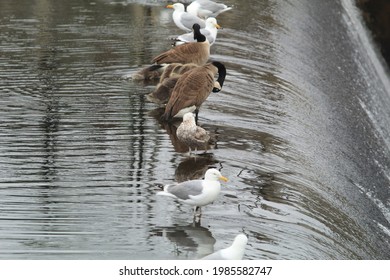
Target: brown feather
[201, 134]
[192, 88]
[168, 81]
[196, 52]
[176, 70]
[163, 91]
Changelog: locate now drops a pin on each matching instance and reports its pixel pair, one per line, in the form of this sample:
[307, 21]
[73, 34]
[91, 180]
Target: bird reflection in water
[192, 168]
[191, 238]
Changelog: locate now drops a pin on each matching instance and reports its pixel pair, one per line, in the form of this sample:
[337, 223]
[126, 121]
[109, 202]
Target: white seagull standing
[196, 192]
[234, 252]
[185, 20]
[206, 8]
[210, 31]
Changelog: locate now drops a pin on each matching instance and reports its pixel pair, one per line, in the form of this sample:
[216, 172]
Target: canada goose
[167, 82]
[163, 90]
[184, 20]
[206, 8]
[193, 88]
[195, 52]
[192, 135]
[210, 31]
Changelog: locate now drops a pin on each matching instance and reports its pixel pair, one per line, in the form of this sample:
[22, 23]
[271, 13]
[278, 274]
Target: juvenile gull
[192, 135]
[196, 192]
[234, 252]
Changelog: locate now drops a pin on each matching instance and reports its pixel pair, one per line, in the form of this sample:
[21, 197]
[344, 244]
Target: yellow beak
[217, 26]
[223, 178]
[170, 6]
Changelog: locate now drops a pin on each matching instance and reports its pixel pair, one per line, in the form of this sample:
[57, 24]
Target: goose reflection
[192, 168]
[191, 238]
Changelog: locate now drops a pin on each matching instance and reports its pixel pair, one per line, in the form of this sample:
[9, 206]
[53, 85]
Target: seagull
[192, 135]
[196, 192]
[206, 8]
[210, 31]
[184, 20]
[234, 252]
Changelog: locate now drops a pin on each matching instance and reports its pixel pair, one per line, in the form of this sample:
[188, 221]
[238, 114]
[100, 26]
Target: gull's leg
[196, 116]
[189, 151]
[197, 214]
[198, 211]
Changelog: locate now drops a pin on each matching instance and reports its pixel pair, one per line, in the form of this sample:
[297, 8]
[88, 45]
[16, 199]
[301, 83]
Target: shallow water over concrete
[302, 127]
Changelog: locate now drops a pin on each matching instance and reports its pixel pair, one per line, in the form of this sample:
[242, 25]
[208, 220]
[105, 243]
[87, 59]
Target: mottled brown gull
[193, 136]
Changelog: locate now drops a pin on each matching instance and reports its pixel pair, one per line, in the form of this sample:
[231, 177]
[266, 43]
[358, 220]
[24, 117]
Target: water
[302, 125]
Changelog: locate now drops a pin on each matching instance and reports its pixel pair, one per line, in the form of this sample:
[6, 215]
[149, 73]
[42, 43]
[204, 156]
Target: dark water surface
[303, 128]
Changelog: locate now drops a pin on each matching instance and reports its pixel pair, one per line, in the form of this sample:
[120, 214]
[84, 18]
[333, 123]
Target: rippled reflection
[189, 241]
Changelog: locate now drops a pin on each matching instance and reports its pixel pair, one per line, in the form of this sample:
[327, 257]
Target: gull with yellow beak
[196, 192]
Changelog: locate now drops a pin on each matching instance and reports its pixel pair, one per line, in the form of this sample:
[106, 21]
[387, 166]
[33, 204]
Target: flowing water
[302, 127]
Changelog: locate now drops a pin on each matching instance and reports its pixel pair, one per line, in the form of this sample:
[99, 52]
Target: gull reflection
[192, 238]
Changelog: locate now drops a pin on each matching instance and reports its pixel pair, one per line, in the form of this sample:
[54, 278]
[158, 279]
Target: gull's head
[212, 22]
[214, 175]
[176, 6]
[189, 117]
[240, 241]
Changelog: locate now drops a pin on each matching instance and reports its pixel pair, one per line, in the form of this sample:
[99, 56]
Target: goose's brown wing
[191, 52]
[163, 91]
[168, 70]
[192, 88]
